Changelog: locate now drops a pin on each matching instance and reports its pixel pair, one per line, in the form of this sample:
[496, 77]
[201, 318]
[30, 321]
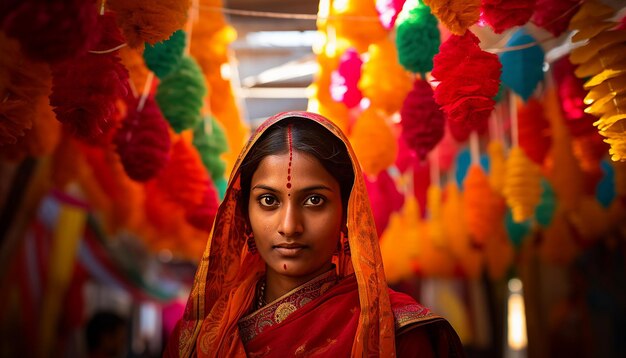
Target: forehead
[305, 170]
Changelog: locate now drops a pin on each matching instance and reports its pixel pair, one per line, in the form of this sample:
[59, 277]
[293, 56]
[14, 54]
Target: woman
[293, 266]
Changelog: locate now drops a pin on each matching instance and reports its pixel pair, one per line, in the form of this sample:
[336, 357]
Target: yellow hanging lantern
[522, 185]
[497, 165]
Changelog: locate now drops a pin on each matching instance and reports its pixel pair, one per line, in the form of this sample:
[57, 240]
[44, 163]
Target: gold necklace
[261, 300]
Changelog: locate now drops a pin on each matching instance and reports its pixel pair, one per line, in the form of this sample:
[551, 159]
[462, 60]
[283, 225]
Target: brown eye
[268, 201]
[314, 200]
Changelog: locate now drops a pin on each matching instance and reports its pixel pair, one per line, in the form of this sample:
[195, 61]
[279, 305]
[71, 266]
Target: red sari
[357, 315]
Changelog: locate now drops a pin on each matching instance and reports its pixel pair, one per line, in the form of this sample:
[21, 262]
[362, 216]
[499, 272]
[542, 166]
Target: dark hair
[101, 324]
[308, 137]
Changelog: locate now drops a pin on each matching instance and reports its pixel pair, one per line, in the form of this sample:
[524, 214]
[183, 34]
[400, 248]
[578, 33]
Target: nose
[291, 220]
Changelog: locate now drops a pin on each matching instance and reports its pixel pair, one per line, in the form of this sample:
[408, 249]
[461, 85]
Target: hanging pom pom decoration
[53, 31]
[22, 83]
[522, 70]
[183, 178]
[149, 21]
[534, 131]
[370, 128]
[522, 185]
[385, 199]
[388, 11]
[180, 95]
[571, 95]
[554, 15]
[422, 122]
[143, 141]
[501, 15]
[164, 57]
[202, 216]
[210, 141]
[547, 205]
[516, 230]
[456, 15]
[497, 165]
[589, 149]
[602, 57]
[482, 208]
[85, 89]
[605, 190]
[389, 94]
[344, 81]
[446, 151]
[417, 37]
[468, 80]
[357, 21]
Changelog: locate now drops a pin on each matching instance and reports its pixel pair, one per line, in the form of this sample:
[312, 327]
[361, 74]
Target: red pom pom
[534, 131]
[86, 88]
[555, 15]
[184, 178]
[422, 122]
[572, 94]
[468, 80]
[143, 141]
[52, 31]
[384, 199]
[202, 216]
[504, 14]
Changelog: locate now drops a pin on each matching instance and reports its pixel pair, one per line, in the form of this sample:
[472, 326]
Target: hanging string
[146, 91]
[109, 50]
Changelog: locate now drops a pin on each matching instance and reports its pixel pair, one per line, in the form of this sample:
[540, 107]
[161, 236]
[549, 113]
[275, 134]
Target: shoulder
[409, 314]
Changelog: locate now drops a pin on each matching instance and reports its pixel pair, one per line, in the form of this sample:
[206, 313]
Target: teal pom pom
[605, 189]
[522, 70]
[180, 95]
[417, 38]
[210, 140]
[164, 57]
[516, 231]
[221, 184]
[545, 210]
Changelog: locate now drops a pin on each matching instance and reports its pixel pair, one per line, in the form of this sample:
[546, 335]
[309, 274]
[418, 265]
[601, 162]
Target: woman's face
[295, 211]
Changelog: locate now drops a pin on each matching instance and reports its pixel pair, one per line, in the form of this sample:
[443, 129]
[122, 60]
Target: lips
[289, 249]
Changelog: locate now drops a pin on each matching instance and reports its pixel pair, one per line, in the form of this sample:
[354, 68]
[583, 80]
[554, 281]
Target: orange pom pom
[482, 207]
[149, 21]
[357, 21]
[22, 82]
[370, 128]
[456, 15]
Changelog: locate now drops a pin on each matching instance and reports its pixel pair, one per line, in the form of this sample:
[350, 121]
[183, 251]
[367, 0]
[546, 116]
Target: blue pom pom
[522, 69]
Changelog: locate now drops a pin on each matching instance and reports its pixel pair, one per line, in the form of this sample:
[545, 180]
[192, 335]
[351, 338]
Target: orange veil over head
[224, 285]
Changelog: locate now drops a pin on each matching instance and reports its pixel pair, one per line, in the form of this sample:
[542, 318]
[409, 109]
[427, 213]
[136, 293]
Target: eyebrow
[308, 188]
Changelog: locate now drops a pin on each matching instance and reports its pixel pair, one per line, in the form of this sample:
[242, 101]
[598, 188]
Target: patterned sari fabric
[226, 282]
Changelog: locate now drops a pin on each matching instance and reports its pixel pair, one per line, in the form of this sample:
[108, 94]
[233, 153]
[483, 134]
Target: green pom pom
[180, 95]
[210, 140]
[417, 38]
[164, 57]
[221, 184]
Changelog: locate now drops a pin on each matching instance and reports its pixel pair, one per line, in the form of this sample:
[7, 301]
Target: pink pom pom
[143, 141]
[343, 86]
[504, 14]
[422, 121]
[384, 199]
[388, 11]
[202, 216]
[572, 94]
[86, 88]
[447, 150]
[53, 31]
[468, 80]
[555, 15]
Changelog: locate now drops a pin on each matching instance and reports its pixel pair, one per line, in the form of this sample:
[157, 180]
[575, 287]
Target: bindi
[289, 140]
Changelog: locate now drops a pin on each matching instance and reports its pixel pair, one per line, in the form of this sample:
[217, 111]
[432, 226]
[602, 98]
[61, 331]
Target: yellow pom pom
[497, 163]
[399, 244]
[383, 80]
